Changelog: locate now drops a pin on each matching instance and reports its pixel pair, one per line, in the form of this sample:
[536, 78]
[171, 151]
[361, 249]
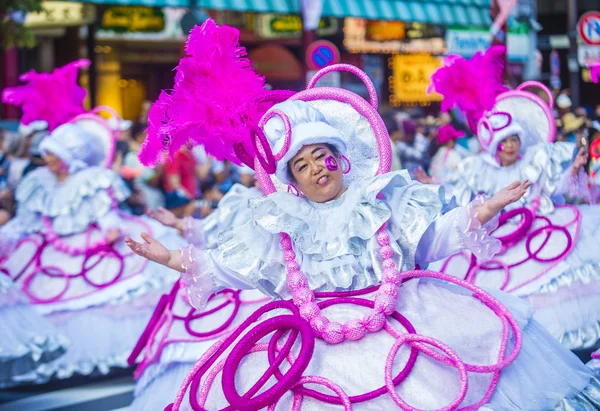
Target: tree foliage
[12, 18]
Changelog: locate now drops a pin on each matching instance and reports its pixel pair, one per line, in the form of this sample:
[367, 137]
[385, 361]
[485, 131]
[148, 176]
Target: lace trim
[476, 237]
[198, 275]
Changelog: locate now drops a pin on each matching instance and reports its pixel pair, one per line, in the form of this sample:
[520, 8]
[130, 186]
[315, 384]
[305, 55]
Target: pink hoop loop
[264, 157]
[490, 265]
[373, 99]
[540, 102]
[292, 189]
[243, 155]
[288, 130]
[349, 164]
[537, 84]
[486, 124]
[453, 357]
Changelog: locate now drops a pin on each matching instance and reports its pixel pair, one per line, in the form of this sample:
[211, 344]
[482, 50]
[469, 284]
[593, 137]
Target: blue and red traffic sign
[322, 53]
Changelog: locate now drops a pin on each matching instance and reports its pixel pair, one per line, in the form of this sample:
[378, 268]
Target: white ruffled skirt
[171, 350]
[439, 310]
[28, 340]
[564, 293]
[101, 323]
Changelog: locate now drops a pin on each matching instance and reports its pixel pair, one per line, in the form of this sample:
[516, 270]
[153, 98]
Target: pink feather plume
[471, 85]
[594, 71]
[52, 97]
[213, 102]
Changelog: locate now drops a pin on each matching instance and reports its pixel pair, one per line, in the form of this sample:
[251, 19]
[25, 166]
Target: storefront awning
[446, 12]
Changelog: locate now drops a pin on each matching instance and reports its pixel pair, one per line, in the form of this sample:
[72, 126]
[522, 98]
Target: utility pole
[574, 70]
[311, 15]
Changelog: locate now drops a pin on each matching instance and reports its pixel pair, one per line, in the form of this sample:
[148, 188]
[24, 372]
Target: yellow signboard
[411, 76]
[62, 14]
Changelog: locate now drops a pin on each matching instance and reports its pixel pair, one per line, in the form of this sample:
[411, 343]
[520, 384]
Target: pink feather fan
[471, 85]
[52, 97]
[214, 100]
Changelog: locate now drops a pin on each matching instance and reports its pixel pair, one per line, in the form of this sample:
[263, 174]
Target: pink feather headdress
[51, 97]
[214, 102]
[471, 85]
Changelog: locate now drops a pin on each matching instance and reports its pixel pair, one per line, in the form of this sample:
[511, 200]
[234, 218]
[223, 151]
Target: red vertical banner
[498, 29]
[10, 77]
[500, 10]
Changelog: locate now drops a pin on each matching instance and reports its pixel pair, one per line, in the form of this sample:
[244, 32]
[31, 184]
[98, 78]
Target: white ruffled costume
[336, 248]
[565, 292]
[98, 295]
[170, 349]
[28, 339]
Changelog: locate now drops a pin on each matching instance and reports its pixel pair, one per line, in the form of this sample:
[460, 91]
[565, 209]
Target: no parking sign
[322, 53]
[589, 28]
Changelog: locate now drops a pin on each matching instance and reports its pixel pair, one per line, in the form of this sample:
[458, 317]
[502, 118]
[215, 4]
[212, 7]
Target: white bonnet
[309, 126]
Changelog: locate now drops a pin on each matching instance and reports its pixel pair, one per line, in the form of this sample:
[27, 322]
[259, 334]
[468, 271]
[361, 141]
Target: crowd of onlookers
[192, 183]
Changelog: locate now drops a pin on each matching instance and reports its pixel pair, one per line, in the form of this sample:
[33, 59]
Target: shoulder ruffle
[73, 205]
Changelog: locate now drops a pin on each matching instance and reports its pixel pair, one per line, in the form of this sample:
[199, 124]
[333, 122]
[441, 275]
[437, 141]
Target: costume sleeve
[203, 275]
[457, 230]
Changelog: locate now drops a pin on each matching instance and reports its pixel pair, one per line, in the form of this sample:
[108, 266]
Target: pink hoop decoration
[265, 156]
[373, 99]
[451, 355]
[243, 155]
[541, 86]
[505, 114]
[348, 162]
[288, 131]
[362, 107]
[487, 124]
[292, 189]
[536, 99]
[276, 96]
[110, 154]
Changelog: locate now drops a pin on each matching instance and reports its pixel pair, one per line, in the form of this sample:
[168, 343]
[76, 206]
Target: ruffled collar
[338, 227]
[75, 203]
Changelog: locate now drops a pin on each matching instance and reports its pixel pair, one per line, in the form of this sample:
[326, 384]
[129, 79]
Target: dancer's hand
[580, 161]
[422, 177]
[508, 195]
[166, 218]
[112, 235]
[151, 250]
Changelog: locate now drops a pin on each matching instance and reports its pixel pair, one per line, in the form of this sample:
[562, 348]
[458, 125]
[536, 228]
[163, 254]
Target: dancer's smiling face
[508, 150]
[312, 177]
[54, 164]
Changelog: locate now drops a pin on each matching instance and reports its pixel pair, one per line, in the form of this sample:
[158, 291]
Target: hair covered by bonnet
[308, 126]
[77, 148]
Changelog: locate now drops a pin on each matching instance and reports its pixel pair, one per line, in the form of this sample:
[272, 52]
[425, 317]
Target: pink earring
[347, 162]
[292, 189]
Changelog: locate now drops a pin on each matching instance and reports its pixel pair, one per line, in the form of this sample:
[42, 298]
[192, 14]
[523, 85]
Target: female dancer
[344, 232]
[548, 252]
[64, 248]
